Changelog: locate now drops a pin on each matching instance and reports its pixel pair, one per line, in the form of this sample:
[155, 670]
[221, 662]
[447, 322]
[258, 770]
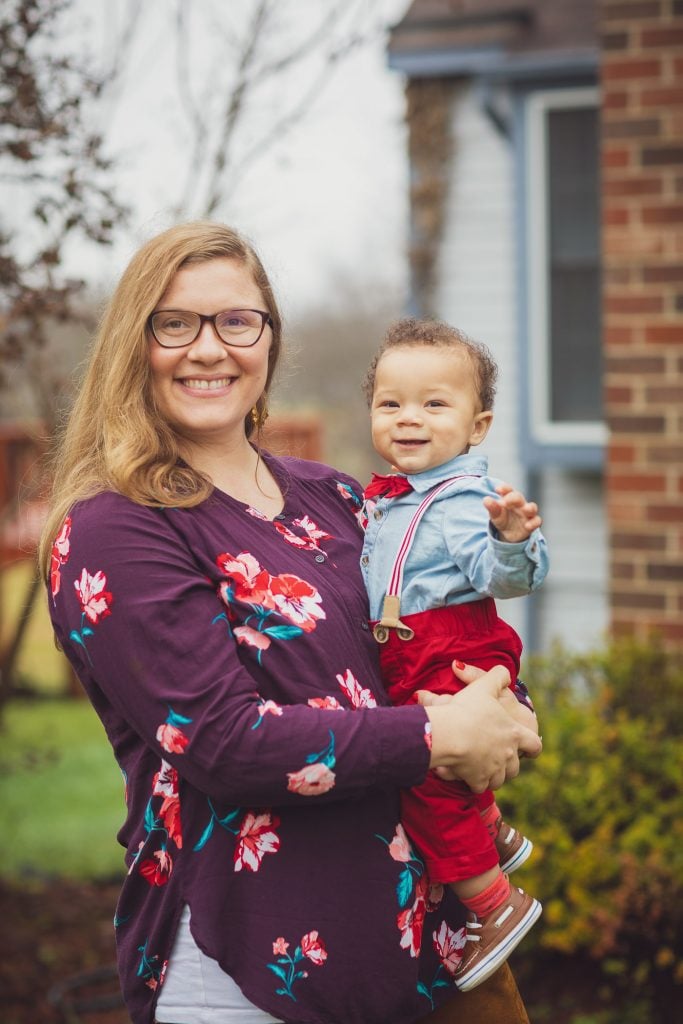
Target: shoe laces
[472, 925]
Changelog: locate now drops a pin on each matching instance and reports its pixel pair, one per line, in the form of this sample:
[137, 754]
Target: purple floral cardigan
[229, 659]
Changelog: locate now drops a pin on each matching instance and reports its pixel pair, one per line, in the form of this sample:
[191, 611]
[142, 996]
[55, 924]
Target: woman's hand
[474, 738]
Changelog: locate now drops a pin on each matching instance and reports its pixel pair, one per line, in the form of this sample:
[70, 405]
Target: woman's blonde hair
[115, 438]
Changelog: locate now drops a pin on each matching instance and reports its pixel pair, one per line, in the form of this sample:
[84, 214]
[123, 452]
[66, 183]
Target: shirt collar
[461, 465]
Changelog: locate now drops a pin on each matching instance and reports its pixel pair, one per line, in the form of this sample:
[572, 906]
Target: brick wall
[642, 162]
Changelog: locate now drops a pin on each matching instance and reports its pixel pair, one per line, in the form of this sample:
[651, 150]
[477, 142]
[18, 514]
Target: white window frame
[543, 429]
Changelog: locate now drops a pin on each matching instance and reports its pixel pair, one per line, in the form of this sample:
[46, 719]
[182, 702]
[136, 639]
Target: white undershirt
[197, 991]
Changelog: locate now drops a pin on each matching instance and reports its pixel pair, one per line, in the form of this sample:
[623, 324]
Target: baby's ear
[480, 427]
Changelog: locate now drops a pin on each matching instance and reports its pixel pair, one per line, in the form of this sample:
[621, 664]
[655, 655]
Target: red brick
[666, 35]
[665, 513]
[630, 304]
[670, 572]
[671, 97]
[665, 454]
[631, 11]
[616, 217]
[662, 214]
[617, 336]
[668, 394]
[662, 156]
[631, 599]
[615, 41]
[644, 128]
[613, 156]
[665, 274]
[622, 571]
[621, 454]
[636, 364]
[638, 424]
[634, 69]
[617, 275]
[665, 334]
[638, 542]
[614, 99]
[647, 483]
[641, 185]
[618, 396]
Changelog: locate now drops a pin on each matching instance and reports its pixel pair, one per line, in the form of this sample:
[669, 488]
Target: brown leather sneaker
[491, 939]
[511, 846]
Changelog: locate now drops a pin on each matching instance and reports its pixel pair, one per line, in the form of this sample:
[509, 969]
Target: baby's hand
[513, 516]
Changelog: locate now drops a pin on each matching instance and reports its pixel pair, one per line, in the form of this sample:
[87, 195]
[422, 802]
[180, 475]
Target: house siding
[476, 289]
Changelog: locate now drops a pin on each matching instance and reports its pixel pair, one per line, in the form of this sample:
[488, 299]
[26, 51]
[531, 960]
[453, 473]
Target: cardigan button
[365, 560]
[377, 513]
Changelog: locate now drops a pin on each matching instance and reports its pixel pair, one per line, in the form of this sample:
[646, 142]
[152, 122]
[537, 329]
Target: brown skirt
[495, 1001]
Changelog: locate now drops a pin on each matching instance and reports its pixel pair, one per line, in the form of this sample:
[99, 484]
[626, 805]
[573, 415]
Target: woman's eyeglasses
[174, 328]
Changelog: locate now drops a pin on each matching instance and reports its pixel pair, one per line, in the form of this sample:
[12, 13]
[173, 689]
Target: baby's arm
[513, 517]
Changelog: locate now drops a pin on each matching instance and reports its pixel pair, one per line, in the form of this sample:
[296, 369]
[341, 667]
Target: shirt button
[377, 513]
[280, 515]
[364, 625]
[364, 560]
[320, 558]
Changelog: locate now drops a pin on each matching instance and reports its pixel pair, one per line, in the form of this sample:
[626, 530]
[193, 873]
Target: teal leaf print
[205, 836]
[283, 632]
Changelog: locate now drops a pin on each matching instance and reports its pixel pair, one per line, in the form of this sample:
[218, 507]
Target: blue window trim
[535, 452]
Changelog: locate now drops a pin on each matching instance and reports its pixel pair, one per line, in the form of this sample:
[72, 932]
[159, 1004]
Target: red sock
[491, 817]
[491, 898]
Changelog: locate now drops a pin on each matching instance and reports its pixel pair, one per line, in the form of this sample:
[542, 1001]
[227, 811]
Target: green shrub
[604, 809]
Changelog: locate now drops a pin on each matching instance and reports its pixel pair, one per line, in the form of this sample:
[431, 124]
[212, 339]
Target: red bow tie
[390, 486]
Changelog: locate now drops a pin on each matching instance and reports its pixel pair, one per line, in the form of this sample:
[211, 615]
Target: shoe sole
[519, 858]
[500, 954]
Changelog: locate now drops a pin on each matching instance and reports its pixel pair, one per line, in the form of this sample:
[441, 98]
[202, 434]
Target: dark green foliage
[604, 808]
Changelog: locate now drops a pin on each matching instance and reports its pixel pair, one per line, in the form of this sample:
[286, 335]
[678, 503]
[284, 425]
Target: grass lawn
[61, 793]
[40, 664]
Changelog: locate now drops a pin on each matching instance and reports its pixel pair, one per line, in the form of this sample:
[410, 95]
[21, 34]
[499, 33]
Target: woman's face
[205, 390]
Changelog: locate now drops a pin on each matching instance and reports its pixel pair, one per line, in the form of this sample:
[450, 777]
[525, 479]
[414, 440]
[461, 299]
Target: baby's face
[425, 408]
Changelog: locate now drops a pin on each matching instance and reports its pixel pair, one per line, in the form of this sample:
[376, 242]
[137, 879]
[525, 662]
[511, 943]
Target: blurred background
[512, 167]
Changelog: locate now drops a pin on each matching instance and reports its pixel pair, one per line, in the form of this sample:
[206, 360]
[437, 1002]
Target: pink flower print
[157, 871]
[255, 512]
[256, 838]
[252, 583]
[317, 776]
[60, 555]
[165, 784]
[170, 736]
[94, 599]
[399, 847]
[449, 946]
[269, 707]
[359, 696]
[325, 703]
[172, 739]
[252, 637]
[313, 534]
[411, 920]
[312, 780]
[286, 967]
[312, 947]
[165, 781]
[297, 601]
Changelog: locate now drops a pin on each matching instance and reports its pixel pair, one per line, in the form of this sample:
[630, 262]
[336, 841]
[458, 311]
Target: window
[563, 268]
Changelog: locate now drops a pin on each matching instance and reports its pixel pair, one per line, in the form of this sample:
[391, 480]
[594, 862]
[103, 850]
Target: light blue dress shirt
[456, 556]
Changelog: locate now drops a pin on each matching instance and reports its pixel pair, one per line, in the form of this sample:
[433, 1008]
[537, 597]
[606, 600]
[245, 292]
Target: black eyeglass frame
[266, 319]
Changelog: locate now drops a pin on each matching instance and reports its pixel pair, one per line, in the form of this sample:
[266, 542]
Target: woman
[208, 596]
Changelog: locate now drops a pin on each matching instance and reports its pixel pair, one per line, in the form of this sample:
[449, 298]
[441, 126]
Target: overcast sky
[326, 202]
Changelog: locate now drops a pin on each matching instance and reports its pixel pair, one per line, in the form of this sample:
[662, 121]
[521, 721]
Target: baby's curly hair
[409, 332]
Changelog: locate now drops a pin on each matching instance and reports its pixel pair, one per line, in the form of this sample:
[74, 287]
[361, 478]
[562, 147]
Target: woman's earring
[254, 417]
